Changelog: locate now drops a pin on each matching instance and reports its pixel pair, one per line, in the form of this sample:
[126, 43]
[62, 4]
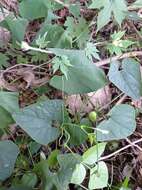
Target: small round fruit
[93, 116]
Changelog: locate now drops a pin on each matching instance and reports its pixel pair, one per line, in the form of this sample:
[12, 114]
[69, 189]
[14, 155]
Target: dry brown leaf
[10, 5]
[27, 76]
[85, 104]
[140, 171]
[127, 171]
[4, 34]
[137, 103]
[21, 78]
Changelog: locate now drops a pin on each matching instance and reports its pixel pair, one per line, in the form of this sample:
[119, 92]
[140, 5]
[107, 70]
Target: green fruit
[93, 116]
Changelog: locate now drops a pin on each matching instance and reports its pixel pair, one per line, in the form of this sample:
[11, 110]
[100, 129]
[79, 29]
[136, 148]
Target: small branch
[120, 150]
[26, 47]
[120, 101]
[137, 146]
[131, 24]
[133, 8]
[115, 58]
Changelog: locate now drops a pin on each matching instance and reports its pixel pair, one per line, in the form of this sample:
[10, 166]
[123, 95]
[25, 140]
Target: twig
[125, 55]
[14, 66]
[26, 47]
[131, 24]
[137, 146]
[120, 150]
[133, 8]
[121, 99]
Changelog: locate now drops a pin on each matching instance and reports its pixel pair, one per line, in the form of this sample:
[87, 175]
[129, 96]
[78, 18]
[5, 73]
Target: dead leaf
[127, 171]
[4, 33]
[27, 76]
[21, 78]
[11, 5]
[84, 104]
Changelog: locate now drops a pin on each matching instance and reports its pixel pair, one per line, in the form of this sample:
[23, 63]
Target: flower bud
[93, 116]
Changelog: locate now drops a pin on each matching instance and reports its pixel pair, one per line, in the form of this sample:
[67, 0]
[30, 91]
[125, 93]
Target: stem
[115, 58]
[83, 187]
[120, 150]
[40, 50]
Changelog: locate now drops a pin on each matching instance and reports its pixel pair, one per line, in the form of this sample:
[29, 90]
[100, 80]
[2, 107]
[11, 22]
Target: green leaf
[98, 4]
[117, 35]
[9, 152]
[118, 45]
[121, 123]
[47, 177]
[92, 155]
[77, 135]
[3, 60]
[61, 63]
[79, 31]
[5, 118]
[78, 174]
[70, 24]
[82, 32]
[41, 41]
[37, 119]
[33, 9]
[75, 9]
[17, 26]
[34, 147]
[91, 51]
[137, 4]
[9, 101]
[118, 8]
[127, 77]
[134, 16]
[104, 16]
[29, 180]
[56, 35]
[21, 187]
[98, 176]
[79, 81]
[67, 164]
[61, 179]
[52, 158]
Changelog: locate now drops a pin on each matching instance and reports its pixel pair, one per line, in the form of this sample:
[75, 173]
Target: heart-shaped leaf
[5, 118]
[78, 174]
[38, 8]
[9, 101]
[98, 176]
[37, 119]
[61, 179]
[83, 76]
[8, 105]
[127, 77]
[92, 155]
[8, 154]
[67, 164]
[77, 135]
[121, 123]
[17, 27]
[137, 4]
